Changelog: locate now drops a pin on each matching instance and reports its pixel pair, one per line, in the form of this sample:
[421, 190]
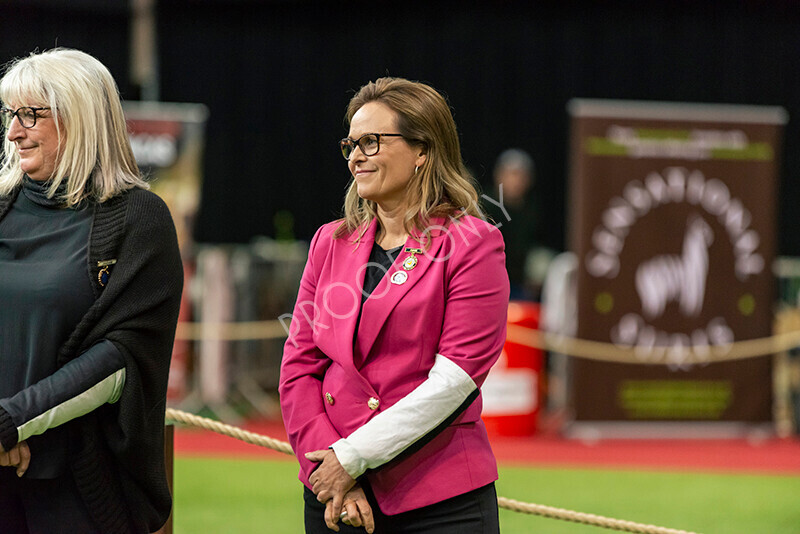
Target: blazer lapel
[349, 260]
[383, 300]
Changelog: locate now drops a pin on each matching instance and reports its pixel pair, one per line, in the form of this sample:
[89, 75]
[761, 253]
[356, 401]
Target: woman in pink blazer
[400, 314]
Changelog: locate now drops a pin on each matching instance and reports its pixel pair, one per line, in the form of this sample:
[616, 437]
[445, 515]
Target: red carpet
[769, 456]
[195, 441]
[772, 456]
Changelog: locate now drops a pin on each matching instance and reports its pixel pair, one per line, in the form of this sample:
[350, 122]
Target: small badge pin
[411, 261]
[104, 273]
[399, 277]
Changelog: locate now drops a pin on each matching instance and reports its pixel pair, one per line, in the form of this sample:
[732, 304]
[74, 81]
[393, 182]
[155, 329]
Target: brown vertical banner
[673, 222]
[168, 141]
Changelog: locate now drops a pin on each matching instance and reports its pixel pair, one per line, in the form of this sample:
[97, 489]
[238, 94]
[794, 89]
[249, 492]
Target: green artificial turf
[263, 496]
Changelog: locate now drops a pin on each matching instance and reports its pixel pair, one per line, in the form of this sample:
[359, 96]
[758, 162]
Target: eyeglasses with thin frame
[27, 116]
[369, 144]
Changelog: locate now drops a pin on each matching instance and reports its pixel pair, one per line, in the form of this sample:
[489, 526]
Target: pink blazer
[336, 375]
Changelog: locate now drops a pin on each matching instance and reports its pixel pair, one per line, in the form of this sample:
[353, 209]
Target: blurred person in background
[90, 289]
[400, 314]
[515, 211]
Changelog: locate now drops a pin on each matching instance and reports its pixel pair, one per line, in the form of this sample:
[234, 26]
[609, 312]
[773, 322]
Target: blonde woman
[90, 289]
[400, 314]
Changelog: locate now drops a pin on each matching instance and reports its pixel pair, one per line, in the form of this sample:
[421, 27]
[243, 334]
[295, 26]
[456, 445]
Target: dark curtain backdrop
[99, 27]
[277, 76]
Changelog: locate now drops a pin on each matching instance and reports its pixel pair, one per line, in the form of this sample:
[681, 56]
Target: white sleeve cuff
[107, 390]
[395, 429]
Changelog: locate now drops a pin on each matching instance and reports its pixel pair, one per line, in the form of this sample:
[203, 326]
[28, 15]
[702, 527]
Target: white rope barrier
[529, 337]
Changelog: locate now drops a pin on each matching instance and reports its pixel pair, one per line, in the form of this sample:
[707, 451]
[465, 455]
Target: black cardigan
[117, 455]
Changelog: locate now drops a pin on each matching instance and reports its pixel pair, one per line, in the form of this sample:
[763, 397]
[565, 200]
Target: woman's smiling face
[383, 177]
[38, 147]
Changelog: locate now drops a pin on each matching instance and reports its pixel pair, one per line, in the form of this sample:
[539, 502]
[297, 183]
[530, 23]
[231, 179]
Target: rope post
[169, 455]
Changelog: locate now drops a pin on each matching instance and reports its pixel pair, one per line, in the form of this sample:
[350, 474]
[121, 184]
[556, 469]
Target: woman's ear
[421, 159]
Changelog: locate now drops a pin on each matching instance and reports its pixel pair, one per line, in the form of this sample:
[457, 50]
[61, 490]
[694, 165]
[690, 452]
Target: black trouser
[474, 512]
[50, 506]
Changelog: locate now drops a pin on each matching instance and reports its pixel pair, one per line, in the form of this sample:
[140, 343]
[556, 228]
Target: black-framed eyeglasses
[368, 143]
[27, 116]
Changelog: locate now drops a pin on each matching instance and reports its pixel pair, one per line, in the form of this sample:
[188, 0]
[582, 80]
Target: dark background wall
[277, 76]
[94, 26]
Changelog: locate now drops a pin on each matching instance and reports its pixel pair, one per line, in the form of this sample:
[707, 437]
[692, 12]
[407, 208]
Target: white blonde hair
[96, 158]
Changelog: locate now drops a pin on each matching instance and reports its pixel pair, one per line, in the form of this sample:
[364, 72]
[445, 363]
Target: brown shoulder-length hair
[442, 186]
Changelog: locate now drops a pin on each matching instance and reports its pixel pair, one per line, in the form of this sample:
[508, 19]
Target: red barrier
[511, 393]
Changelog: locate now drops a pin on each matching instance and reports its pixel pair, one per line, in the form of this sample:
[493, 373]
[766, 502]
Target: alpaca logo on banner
[674, 278]
[682, 279]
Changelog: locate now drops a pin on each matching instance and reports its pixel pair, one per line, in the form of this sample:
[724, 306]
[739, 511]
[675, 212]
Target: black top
[379, 263]
[377, 266]
[45, 293]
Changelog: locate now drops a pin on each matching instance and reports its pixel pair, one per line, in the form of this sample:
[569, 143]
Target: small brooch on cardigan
[104, 273]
